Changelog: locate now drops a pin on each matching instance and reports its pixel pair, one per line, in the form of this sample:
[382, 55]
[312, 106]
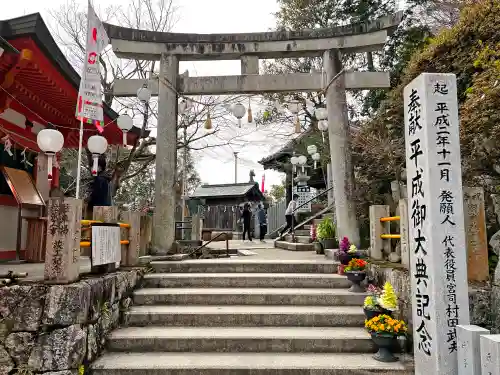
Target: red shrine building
[38, 89]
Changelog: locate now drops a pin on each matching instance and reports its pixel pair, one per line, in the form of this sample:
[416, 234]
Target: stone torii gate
[170, 48]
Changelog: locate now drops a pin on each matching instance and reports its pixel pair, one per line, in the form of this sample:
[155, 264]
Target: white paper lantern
[302, 161]
[144, 94]
[323, 126]
[312, 149]
[294, 107]
[294, 160]
[97, 145]
[125, 123]
[239, 111]
[321, 113]
[316, 157]
[50, 141]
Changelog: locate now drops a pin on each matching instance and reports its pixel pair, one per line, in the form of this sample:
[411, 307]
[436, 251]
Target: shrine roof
[37, 81]
[224, 190]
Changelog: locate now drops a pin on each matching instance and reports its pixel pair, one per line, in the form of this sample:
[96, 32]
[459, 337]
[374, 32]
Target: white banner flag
[89, 107]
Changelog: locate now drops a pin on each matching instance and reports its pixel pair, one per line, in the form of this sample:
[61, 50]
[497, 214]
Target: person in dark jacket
[246, 215]
[262, 217]
[101, 194]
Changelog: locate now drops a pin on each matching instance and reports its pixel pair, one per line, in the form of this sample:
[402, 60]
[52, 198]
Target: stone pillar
[340, 149]
[329, 184]
[195, 228]
[475, 232]
[403, 230]
[490, 354]
[249, 65]
[438, 254]
[378, 246]
[469, 353]
[146, 232]
[42, 175]
[63, 240]
[106, 214]
[133, 249]
[166, 155]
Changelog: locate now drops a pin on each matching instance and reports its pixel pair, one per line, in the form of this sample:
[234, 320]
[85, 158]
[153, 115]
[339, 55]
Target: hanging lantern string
[48, 122]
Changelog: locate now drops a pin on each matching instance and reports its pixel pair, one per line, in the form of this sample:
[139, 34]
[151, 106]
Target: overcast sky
[204, 16]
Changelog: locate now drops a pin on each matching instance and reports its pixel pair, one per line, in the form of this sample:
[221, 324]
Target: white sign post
[106, 248]
[438, 250]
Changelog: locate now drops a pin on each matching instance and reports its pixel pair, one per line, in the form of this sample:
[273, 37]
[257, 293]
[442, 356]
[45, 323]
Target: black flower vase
[385, 343]
[356, 277]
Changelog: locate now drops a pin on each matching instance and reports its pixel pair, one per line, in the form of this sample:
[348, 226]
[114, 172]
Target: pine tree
[388, 299]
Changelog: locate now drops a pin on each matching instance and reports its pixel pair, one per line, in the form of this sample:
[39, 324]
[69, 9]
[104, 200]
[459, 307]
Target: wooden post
[63, 240]
[133, 249]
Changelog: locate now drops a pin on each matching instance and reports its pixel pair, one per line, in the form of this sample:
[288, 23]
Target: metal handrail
[209, 242]
[313, 198]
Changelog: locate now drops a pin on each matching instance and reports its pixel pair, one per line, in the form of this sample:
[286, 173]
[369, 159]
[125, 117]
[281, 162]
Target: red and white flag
[89, 107]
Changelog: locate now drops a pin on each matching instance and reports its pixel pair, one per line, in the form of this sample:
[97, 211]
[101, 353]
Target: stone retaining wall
[479, 296]
[57, 329]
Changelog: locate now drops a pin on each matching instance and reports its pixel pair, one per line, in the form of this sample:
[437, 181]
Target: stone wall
[57, 329]
[479, 296]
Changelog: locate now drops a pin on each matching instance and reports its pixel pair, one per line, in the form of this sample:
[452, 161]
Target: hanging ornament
[7, 145]
[323, 127]
[250, 117]
[208, 122]
[25, 161]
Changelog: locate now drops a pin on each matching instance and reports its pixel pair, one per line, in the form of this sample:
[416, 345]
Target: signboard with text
[438, 254]
[106, 248]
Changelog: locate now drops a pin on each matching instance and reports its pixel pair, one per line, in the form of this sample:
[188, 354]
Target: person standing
[101, 192]
[246, 216]
[262, 217]
[289, 214]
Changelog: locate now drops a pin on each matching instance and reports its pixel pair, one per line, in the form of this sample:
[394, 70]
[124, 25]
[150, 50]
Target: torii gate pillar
[340, 146]
[166, 156]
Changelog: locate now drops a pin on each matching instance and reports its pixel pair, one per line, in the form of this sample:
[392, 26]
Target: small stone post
[490, 355]
[196, 228]
[63, 240]
[403, 230]
[378, 246]
[469, 353]
[133, 249]
[146, 233]
[475, 232]
[438, 257]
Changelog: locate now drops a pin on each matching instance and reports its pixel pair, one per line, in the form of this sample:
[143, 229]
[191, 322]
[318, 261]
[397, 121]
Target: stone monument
[436, 222]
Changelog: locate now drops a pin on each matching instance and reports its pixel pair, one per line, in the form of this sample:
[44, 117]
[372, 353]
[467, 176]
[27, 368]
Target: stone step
[299, 239]
[244, 280]
[245, 316]
[247, 296]
[303, 232]
[242, 339]
[244, 364]
[245, 266]
[294, 246]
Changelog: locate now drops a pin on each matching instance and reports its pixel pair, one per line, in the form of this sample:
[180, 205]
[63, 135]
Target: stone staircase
[251, 317]
[302, 237]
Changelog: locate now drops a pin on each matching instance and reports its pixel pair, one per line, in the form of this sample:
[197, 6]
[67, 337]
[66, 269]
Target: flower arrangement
[370, 303]
[352, 249]
[313, 233]
[356, 265]
[344, 245]
[388, 299]
[385, 325]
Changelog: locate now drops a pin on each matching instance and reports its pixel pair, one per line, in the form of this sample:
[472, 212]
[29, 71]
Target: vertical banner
[89, 106]
[438, 252]
[263, 182]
